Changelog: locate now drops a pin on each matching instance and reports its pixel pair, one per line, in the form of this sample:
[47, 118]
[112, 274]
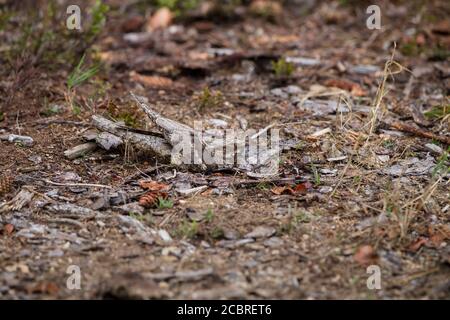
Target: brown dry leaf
[302, 187]
[420, 39]
[438, 235]
[299, 188]
[354, 88]
[151, 81]
[442, 27]
[365, 255]
[45, 287]
[8, 228]
[132, 24]
[207, 192]
[151, 185]
[415, 246]
[281, 189]
[160, 20]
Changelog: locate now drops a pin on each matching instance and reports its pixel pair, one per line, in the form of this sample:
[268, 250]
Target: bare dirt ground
[364, 182]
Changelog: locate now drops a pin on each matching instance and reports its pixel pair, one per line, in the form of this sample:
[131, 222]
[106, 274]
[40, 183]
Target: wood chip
[80, 150]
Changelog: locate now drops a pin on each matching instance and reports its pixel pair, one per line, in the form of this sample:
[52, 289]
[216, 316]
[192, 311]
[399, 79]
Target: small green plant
[77, 77]
[188, 229]
[178, 7]
[441, 167]
[316, 175]
[439, 54]
[164, 203]
[76, 109]
[297, 216]
[136, 216]
[410, 49]
[216, 233]
[389, 144]
[301, 217]
[299, 146]
[50, 110]
[5, 16]
[356, 179]
[209, 215]
[209, 99]
[282, 68]
[263, 186]
[80, 75]
[438, 112]
[129, 119]
[141, 217]
[98, 18]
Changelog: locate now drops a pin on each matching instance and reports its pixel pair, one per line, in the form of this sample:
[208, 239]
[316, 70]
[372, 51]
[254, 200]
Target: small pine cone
[6, 183]
[150, 199]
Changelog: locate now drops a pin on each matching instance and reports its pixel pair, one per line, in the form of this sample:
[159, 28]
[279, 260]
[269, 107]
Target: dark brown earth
[364, 192]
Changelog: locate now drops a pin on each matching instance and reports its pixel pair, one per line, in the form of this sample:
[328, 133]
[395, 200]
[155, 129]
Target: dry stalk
[382, 92]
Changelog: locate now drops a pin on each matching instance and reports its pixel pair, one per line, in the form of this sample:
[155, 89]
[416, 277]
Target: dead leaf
[151, 185]
[299, 188]
[151, 81]
[354, 88]
[365, 255]
[8, 228]
[160, 20]
[420, 39]
[278, 190]
[132, 24]
[45, 287]
[442, 28]
[438, 234]
[302, 187]
[415, 246]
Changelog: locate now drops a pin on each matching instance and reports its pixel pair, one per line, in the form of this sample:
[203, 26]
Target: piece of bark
[168, 126]
[25, 140]
[148, 143]
[80, 150]
[108, 141]
[18, 202]
[69, 210]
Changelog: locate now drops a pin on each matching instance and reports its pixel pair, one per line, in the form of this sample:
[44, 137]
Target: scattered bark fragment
[80, 150]
[261, 232]
[22, 199]
[14, 138]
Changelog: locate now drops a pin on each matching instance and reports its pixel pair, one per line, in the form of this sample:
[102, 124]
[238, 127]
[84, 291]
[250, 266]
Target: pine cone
[150, 199]
[6, 183]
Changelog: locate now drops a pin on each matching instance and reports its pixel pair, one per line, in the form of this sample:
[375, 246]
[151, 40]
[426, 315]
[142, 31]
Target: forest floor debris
[362, 176]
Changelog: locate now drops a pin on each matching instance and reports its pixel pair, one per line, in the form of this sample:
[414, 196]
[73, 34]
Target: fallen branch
[77, 184]
[401, 126]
